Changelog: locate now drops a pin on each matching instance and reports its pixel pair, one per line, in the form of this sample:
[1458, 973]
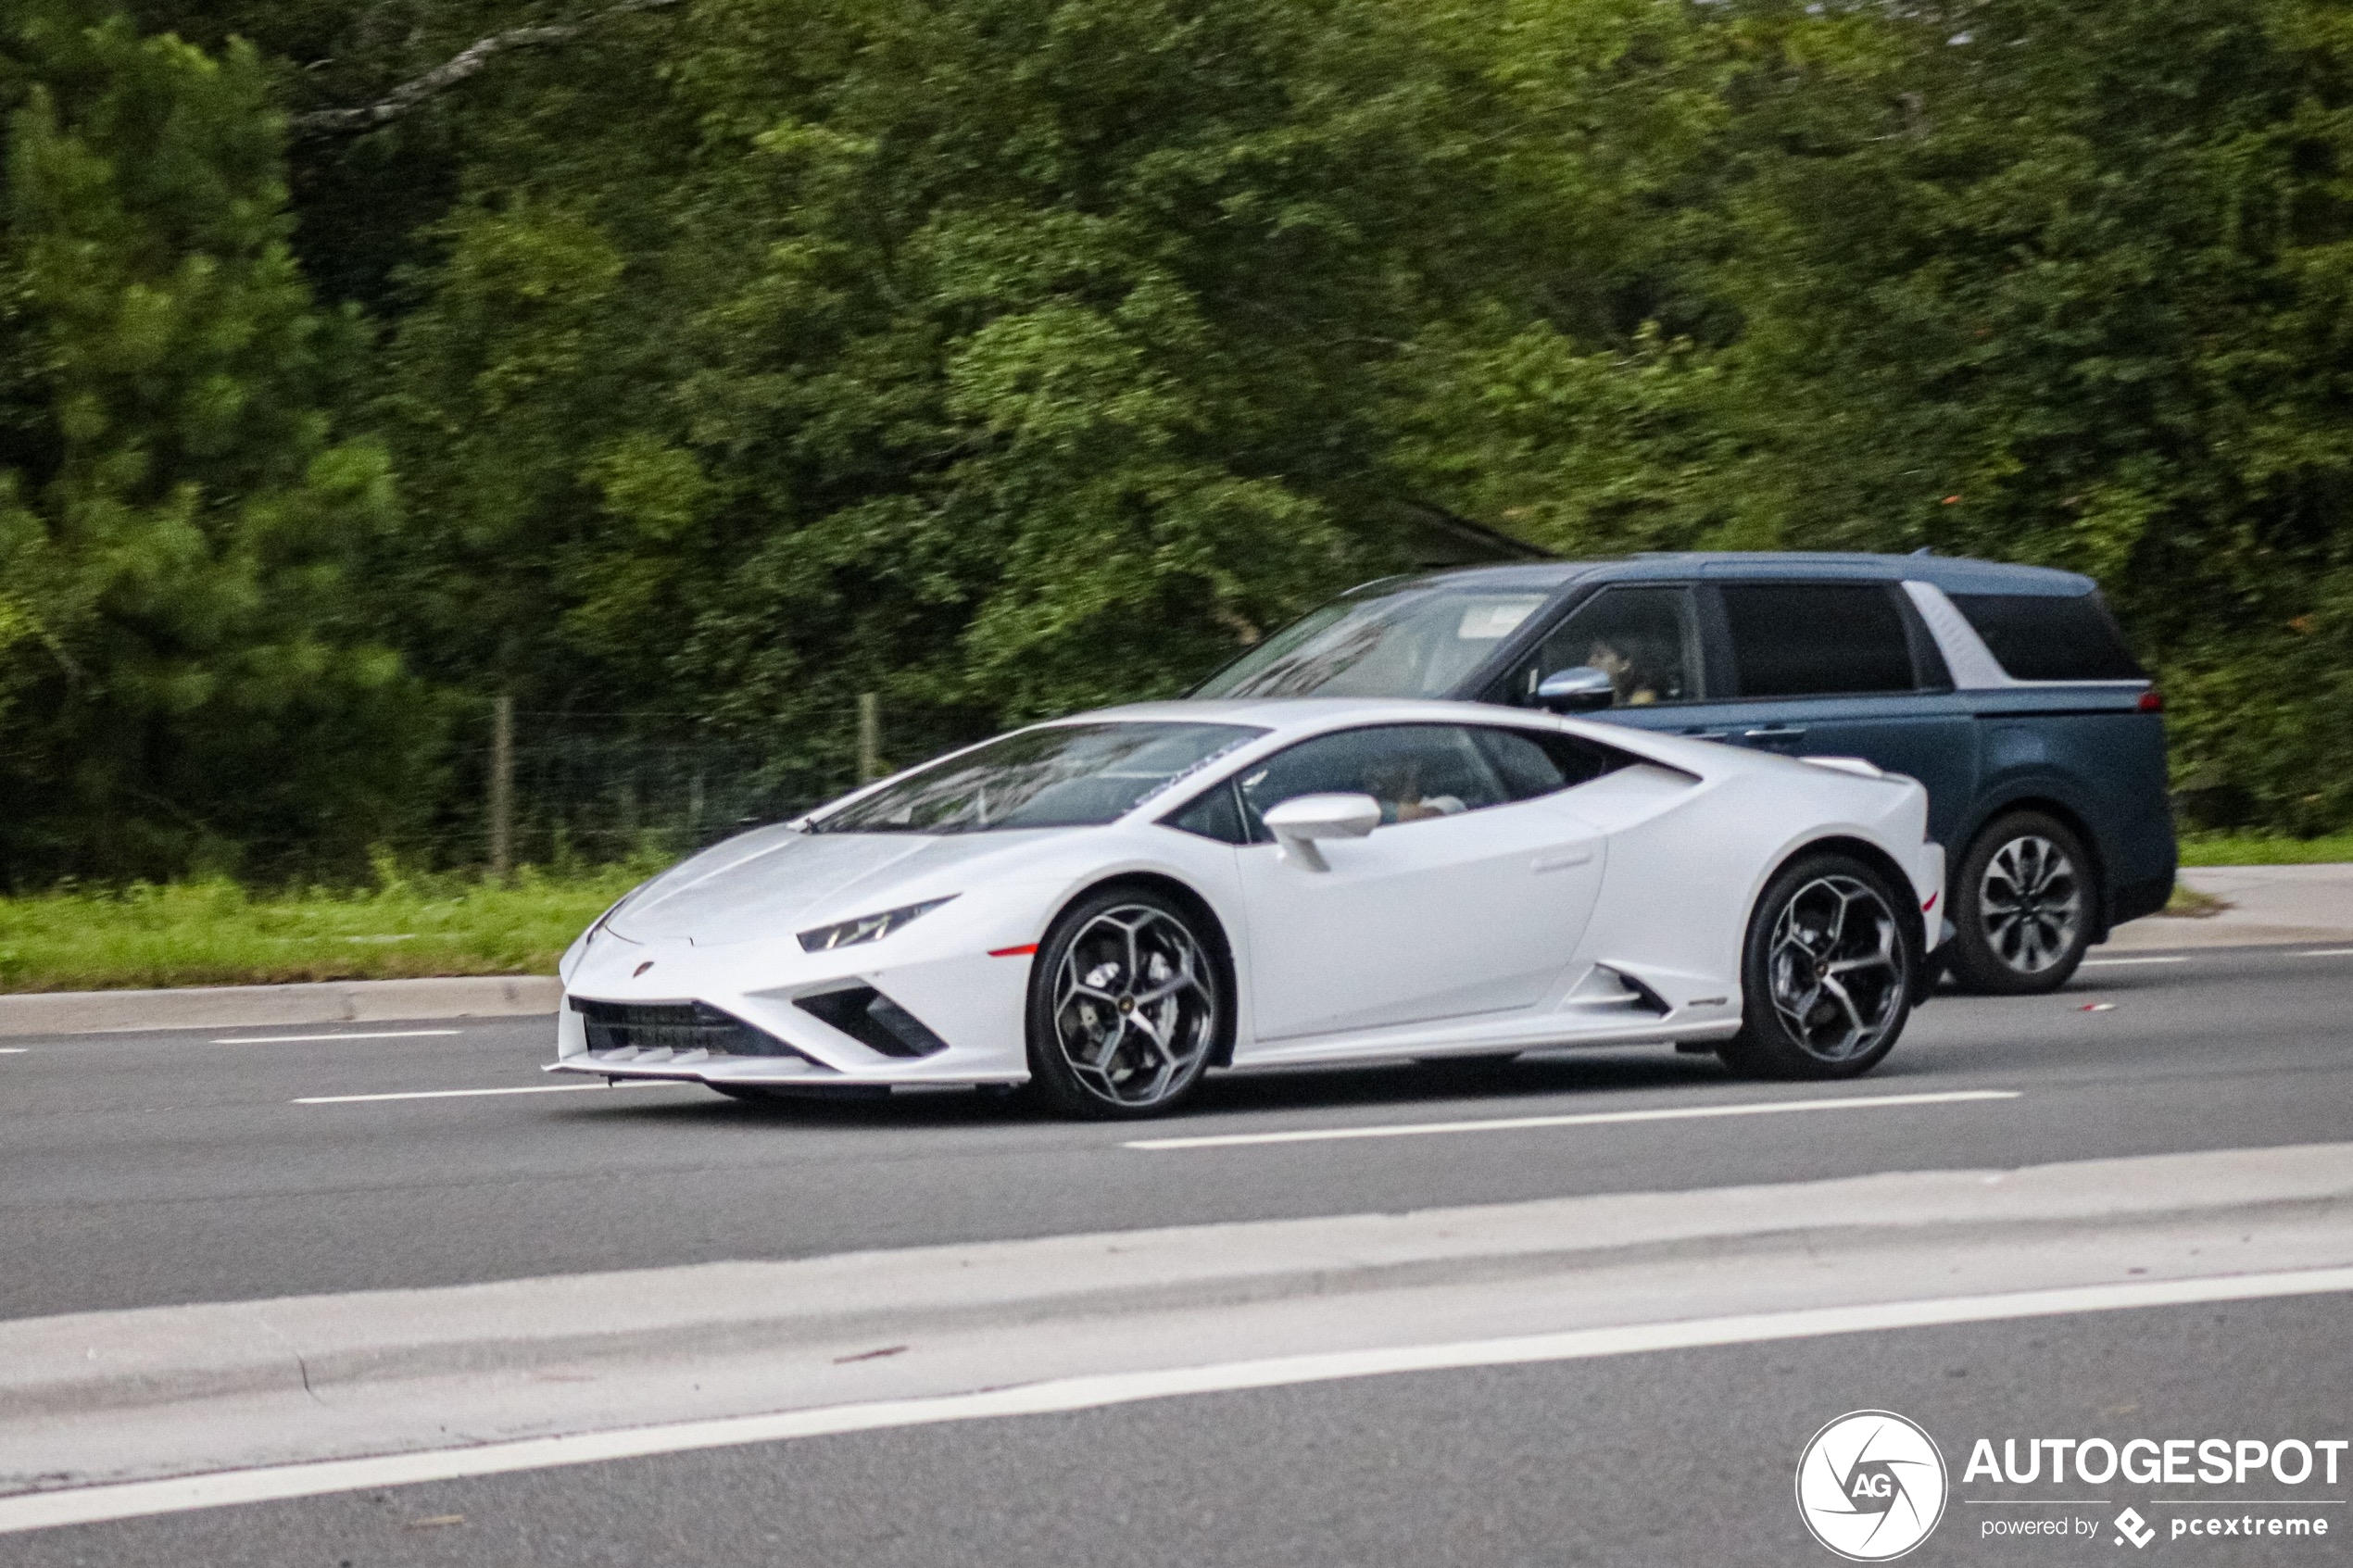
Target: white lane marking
[2111, 963]
[523, 1089]
[297, 1039]
[14, 1050]
[38, 1511]
[1587, 1119]
[2328, 953]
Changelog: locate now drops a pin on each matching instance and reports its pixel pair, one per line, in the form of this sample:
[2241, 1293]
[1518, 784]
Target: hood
[774, 882]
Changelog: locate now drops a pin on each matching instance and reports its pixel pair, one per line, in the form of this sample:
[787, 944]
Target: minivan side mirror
[1579, 689]
[1299, 822]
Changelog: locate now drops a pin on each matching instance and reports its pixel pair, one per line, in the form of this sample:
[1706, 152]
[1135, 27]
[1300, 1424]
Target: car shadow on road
[1440, 1087]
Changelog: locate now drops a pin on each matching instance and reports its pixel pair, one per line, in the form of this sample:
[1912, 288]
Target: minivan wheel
[2022, 906]
[1128, 1006]
[1826, 973]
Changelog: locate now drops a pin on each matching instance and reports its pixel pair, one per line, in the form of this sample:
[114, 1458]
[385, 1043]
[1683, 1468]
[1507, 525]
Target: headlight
[865, 928]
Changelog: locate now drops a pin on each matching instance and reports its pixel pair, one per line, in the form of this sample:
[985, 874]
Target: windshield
[1058, 776]
[1396, 642]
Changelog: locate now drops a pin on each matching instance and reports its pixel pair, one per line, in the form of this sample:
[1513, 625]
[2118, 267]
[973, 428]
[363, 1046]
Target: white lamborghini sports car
[1106, 907]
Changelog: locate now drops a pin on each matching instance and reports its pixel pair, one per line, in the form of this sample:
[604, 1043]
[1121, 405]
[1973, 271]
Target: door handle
[1776, 731]
[1561, 860]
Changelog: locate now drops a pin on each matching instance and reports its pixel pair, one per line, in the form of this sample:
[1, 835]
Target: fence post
[869, 738]
[502, 786]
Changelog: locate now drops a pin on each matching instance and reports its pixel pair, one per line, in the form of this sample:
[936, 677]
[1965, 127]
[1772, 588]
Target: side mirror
[1579, 689]
[1299, 822]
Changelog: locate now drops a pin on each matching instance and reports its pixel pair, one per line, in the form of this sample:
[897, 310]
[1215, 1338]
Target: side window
[1216, 815]
[1416, 771]
[1646, 640]
[1816, 639]
[2038, 638]
[1531, 763]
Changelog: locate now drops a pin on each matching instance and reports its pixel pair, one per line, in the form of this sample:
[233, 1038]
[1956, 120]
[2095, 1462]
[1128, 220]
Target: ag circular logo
[1871, 1486]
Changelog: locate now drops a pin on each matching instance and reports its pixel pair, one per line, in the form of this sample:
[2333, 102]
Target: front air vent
[675, 1027]
[873, 1021]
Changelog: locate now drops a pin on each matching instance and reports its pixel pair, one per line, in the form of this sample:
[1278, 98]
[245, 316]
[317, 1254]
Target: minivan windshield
[1415, 640]
[1055, 777]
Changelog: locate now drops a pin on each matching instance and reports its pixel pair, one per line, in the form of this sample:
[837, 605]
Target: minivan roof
[1954, 574]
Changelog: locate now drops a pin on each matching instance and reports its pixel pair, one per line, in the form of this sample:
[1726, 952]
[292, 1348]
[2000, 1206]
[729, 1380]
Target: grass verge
[2188, 903]
[2263, 849]
[217, 934]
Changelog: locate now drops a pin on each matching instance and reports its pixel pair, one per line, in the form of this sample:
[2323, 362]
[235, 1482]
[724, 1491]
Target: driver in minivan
[1636, 686]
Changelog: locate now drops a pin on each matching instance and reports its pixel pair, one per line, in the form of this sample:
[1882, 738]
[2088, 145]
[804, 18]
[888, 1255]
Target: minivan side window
[2036, 637]
[1816, 639]
[1646, 640]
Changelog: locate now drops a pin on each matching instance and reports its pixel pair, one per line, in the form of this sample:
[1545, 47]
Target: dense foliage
[711, 361]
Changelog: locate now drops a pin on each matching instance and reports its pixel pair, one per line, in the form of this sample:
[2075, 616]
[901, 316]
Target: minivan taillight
[2152, 701]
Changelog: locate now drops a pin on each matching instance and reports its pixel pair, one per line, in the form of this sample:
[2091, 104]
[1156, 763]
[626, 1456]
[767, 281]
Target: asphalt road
[158, 1169]
[1675, 1459]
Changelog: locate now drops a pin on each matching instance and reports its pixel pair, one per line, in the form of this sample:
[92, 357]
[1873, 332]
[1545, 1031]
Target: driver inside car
[1628, 673]
[1397, 785]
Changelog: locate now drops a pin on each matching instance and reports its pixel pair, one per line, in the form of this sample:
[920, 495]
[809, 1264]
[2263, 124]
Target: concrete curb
[247, 1006]
[2268, 906]
[153, 1357]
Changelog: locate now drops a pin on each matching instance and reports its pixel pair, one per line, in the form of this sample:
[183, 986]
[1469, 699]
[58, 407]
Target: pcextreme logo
[1871, 1486]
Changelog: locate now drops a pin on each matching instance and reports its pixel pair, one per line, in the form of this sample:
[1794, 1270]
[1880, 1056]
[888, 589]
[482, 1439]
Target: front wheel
[1827, 970]
[2022, 908]
[1127, 1004]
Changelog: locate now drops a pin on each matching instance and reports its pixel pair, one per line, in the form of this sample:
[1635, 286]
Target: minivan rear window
[2039, 638]
[1816, 639]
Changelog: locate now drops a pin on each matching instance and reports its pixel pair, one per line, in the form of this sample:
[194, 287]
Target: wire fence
[592, 788]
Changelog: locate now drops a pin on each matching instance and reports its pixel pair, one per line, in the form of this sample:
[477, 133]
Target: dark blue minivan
[2006, 690]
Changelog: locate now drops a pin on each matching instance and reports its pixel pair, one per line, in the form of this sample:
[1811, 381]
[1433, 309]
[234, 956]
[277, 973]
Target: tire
[2023, 906]
[1827, 972]
[1103, 1046]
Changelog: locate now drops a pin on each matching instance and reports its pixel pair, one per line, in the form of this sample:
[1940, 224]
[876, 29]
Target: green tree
[1006, 357]
[193, 682]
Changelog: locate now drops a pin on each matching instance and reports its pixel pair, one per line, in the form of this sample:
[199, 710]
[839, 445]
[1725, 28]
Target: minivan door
[1839, 669]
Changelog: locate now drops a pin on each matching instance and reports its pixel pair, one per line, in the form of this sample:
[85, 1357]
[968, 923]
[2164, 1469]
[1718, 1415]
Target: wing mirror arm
[1297, 822]
[1579, 689]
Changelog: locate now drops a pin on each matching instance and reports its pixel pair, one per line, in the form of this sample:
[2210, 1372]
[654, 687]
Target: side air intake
[873, 1021]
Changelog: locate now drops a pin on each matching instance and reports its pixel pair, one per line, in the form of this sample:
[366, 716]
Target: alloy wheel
[1835, 968]
[2030, 902]
[1134, 1008]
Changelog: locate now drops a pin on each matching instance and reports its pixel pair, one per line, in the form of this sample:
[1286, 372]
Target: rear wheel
[1827, 970]
[1127, 1004]
[2022, 906]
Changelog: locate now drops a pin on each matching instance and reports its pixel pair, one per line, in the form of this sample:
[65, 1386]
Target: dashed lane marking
[523, 1089]
[1587, 1119]
[298, 1039]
